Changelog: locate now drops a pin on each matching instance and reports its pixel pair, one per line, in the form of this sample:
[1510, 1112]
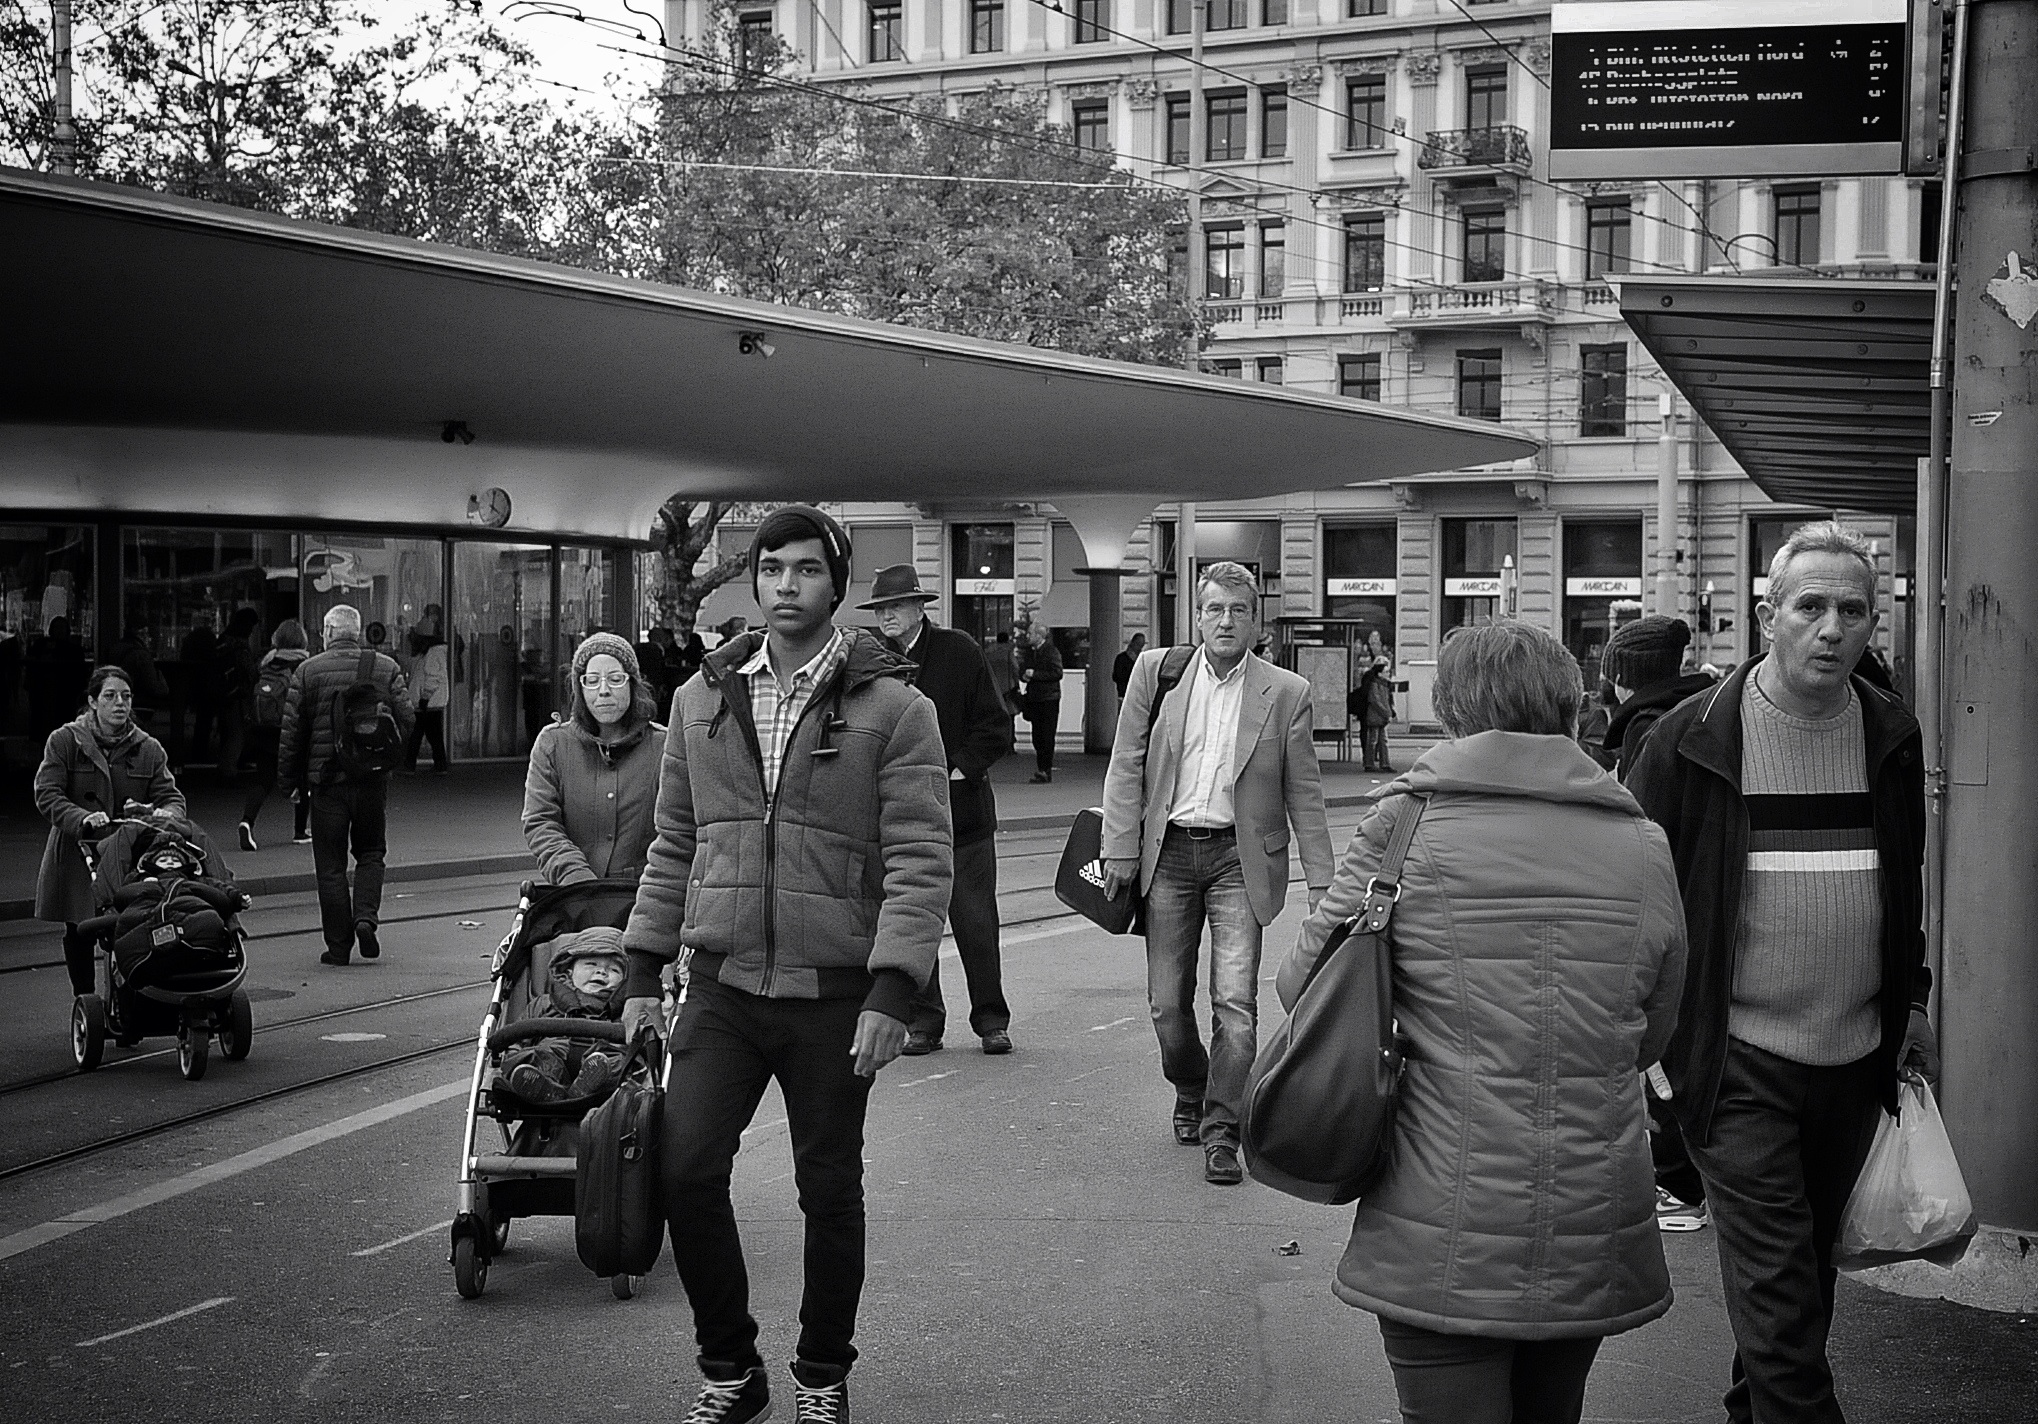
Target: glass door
[502, 648]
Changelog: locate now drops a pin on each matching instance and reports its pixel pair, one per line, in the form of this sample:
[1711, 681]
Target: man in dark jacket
[1038, 665]
[1793, 796]
[802, 863]
[1644, 660]
[976, 731]
[346, 811]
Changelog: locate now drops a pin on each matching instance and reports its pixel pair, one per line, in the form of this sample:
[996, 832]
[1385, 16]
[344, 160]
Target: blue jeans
[1198, 877]
[1476, 1379]
[349, 815]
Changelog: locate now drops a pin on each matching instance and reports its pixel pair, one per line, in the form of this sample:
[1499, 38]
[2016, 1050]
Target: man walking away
[343, 731]
[1121, 666]
[1038, 664]
[802, 866]
[1793, 796]
[1198, 817]
[976, 731]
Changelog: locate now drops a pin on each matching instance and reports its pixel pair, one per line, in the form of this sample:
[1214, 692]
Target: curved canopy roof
[166, 355]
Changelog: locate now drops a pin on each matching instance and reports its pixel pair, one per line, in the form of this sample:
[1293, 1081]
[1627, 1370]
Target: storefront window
[587, 604]
[1359, 577]
[47, 629]
[1602, 587]
[397, 586]
[873, 547]
[1766, 538]
[502, 640]
[1478, 559]
[983, 579]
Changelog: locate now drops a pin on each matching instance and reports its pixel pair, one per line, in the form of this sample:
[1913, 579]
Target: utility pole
[1185, 518]
[64, 134]
[1987, 995]
[1666, 506]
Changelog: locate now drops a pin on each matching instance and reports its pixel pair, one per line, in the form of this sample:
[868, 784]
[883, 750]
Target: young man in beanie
[800, 873]
[1644, 660]
[976, 730]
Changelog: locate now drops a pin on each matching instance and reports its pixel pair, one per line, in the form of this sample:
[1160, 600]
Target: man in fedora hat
[976, 729]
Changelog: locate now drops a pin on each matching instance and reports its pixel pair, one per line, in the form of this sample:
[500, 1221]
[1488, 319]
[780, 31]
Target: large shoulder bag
[1319, 1104]
[1079, 879]
[618, 1220]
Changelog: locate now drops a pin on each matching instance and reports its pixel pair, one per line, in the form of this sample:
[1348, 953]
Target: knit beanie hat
[595, 644]
[1645, 652]
[802, 521]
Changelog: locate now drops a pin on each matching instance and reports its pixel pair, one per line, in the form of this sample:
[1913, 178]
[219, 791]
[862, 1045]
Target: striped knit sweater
[1809, 967]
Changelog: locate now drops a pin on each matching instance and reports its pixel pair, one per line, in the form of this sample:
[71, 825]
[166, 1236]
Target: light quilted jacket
[1538, 962]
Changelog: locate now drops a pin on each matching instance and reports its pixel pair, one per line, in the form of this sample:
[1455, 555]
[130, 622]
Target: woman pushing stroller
[593, 779]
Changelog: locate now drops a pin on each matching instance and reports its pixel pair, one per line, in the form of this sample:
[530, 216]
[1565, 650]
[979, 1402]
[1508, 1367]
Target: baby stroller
[534, 1172]
[169, 956]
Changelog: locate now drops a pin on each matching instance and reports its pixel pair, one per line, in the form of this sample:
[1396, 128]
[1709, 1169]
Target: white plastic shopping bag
[1910, 1199]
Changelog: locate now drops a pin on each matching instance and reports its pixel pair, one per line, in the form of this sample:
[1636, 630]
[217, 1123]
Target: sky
[575, 59]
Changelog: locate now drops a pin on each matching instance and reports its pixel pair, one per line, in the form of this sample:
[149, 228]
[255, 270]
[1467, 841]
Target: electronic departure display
[1726, 88]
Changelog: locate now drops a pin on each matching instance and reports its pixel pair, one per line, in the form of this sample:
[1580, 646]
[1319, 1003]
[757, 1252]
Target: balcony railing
[1502, 146]
[1497, 302]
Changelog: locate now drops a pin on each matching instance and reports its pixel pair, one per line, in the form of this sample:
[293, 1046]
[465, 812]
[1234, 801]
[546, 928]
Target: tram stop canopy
[1820, 388]
[173, 356]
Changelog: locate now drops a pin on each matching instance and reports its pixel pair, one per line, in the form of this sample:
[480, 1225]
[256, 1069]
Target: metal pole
[64, 135]
[1185, 572]
[1666, 506]
[1185, 518]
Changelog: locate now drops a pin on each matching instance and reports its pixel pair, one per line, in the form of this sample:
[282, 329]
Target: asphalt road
[1040, 1249]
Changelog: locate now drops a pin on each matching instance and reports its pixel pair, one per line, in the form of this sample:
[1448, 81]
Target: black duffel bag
[618, 1220]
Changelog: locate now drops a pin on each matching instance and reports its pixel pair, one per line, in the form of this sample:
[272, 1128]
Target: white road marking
[764, 1126]
[86, 1217]
[1076, 922]
[404, 1240]
[152, 1324]
[351, 1037]
[1115, 1023]
[930, 1078]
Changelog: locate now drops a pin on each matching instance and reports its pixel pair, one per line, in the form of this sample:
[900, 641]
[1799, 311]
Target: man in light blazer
[1199, 819]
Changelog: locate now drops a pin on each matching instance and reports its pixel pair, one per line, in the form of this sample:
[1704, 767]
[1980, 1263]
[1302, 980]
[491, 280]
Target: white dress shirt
[1204, 779]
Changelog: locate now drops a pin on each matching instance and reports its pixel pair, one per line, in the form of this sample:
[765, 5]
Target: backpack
[272, 693]
[366, 740]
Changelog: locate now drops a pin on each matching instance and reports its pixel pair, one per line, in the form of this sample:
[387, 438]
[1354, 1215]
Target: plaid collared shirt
[776, 712]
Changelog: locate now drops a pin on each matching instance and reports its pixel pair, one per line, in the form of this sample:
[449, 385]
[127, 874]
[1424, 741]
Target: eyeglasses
[114, 694]
[593, 681]
[1235, 612]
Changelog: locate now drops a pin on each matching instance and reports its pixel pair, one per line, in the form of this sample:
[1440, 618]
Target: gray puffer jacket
[306, 754]
[1538, 961]
[588, 806]
[835, 887]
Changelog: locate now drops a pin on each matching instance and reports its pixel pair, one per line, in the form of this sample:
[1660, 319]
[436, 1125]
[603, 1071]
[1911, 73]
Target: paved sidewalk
[469, 822]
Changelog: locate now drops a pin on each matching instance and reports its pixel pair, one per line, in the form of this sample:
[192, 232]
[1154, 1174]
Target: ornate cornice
[1380, 62]
[1141, 93]
[1374, 197]
[1093, 89]
[1305, 76]
[1485, 54]
[1423, 66]
[1536, 55]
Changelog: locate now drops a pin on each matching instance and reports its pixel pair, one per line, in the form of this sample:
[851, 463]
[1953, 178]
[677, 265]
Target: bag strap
[1383, 891]
[365, 670]
[1174, 662]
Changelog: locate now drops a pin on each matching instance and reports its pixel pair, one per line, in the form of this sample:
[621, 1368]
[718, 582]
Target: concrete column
[1100, 694]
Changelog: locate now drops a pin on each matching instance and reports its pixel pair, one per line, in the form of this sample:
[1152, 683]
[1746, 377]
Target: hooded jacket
[588, 804]
[837, 885]
[77, 777]
[1629, 725]
[560, 999]
[1538, 954]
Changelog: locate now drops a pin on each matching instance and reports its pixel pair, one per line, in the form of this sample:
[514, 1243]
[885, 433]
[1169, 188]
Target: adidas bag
[272, 694]
[366, 740]
[618, 1221]
[1079, 883]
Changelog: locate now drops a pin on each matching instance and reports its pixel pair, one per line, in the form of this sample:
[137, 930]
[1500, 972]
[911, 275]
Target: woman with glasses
[91, 768]
[593, 781]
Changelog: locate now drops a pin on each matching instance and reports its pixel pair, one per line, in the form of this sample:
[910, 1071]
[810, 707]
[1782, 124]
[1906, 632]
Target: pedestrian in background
[198, 679]
[1514, 1225]
[236, 660]
[1036, 663]
[1644, 661]
[1121, 666]
[349, 810]
[976, 731]
[54, 672]
[151, 692]
[1197, 816]
[802, 861]
[1794, 798]
[273, 676]
[92, 767]
[593, 778]
[1372, 702]
[433, 693]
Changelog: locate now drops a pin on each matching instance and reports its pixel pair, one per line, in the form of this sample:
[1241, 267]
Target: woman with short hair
[1538, 949]
[593, 780]
[92, 766]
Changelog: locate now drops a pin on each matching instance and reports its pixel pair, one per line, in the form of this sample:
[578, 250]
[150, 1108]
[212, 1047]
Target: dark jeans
[78, 960]
[1373, 747]
[1674, 1172]
[727, 1046]
[1788, 1140]
[348, 816]
[233, 733]
[263, 744]
[1476, 1379]
[431, 722]
[973, 915]
[1045, 720]
[1198, 877]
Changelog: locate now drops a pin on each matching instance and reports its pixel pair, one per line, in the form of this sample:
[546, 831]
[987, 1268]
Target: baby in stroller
[585, 982]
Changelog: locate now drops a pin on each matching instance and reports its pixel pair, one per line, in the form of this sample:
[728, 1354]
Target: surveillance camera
[753, 343]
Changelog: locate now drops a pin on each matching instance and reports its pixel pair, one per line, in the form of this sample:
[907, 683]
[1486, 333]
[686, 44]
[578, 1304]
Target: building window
[1606, 237]
[1360, 9]
[753, 40]
[1797, 227]
[986, 26]
[1178, 128]
[1359, 376]
[1225, 118]
[1603, 390]
[1273, 123]
[1273, 258]
[1274, 12]
[1093, 21]
[1224, 15]
[1270, 370]
[1091, 120]
[1224, 262]
[1366, 111]
[887, 31]
[1479, 565]
[1486, 97]
[981, 557]
[1479, 383]
[1228, 369]
[1930, 213]
[1359, 578]
[1181, 16]
[1366, 253]
[1602, 587]
[1486, 245]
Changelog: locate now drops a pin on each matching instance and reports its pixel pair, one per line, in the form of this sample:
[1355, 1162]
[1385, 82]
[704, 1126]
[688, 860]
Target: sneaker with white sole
[248, 837]
[820, 1393]
[1677, 1217]
[738, 1397]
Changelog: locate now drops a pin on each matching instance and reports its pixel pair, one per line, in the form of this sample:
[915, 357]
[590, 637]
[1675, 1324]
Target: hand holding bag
[1319, 1104]
[1910, 1199]
[618, 1220]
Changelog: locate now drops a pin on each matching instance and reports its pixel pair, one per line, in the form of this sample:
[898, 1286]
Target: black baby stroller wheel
[194, 1045]
[88, 1031]
[470, 1268]
[237, 1034]
[499, 1231]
